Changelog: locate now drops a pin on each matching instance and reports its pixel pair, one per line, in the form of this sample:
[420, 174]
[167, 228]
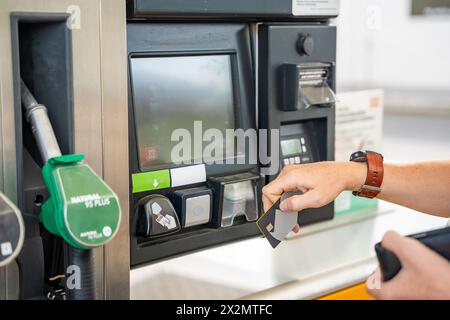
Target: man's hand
[424, 273]
[319, 182]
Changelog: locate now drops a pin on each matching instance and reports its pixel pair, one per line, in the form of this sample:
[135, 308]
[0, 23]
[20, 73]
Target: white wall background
[380, 45]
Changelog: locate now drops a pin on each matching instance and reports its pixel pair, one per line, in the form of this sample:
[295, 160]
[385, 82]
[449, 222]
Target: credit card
[275, 224]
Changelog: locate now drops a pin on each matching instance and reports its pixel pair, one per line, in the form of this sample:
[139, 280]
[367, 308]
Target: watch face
[359, 156]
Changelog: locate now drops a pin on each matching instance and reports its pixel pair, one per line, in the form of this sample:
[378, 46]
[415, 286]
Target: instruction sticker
[315, 7]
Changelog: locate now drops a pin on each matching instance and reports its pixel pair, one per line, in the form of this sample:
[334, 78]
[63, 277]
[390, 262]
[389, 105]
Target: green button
[153, 180]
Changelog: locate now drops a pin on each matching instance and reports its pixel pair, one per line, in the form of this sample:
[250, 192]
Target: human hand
[424, 273]
[320, 183]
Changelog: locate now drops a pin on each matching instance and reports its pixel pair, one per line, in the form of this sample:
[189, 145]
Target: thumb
[379, 289]
[373, 283]
[296, 228]
[310, 199]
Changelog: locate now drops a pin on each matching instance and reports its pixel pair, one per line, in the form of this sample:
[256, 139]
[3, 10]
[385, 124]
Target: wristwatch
[372, 187]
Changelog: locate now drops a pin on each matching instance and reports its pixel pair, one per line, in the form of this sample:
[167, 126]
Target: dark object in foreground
[437, 240]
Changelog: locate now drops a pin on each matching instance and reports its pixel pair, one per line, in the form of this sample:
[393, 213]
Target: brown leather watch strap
[375, 173]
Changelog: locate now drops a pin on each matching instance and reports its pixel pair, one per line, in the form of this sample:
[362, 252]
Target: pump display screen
[170, 93]
[289, 147]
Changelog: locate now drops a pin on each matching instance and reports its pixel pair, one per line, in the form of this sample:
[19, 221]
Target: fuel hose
[81, 208]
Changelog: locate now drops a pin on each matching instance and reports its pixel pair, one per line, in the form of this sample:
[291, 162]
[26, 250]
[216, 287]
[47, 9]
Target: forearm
[421, 186]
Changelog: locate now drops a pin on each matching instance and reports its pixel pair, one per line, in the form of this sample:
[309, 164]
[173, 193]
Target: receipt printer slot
[306, 85]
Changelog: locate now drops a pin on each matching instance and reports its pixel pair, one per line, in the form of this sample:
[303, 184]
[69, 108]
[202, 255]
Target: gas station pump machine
[109, 109]
[225, 65]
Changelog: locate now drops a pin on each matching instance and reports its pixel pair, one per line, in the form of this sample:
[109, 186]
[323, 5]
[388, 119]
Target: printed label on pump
[91, 209]
[315, 7]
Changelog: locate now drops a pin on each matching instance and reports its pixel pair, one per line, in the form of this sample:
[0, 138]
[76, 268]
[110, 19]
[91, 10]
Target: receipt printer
[306, 85]
[157, 217]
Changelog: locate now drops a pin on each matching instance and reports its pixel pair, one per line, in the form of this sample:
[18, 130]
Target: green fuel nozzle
[82, 208]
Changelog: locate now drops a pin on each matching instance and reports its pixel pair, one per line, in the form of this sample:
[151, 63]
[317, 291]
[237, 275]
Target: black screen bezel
[151, 37]
[238, 119]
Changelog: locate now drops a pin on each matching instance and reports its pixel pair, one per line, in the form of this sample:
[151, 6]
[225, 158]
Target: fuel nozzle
[82, 208]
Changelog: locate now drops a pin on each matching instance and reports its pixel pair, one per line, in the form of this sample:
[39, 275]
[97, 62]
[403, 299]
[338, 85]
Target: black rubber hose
[82, 261]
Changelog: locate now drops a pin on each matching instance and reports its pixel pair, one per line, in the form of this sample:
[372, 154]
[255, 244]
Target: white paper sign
[315, 7]
[359, 122]
[359, 126]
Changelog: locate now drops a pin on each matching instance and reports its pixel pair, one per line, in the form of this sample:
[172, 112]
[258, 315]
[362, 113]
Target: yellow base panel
[357, 292]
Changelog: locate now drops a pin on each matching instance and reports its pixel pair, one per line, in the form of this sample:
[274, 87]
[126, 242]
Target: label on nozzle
[91, 208]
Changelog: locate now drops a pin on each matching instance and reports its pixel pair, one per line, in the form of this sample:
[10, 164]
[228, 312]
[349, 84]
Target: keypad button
[297, 159]
[197, 210]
